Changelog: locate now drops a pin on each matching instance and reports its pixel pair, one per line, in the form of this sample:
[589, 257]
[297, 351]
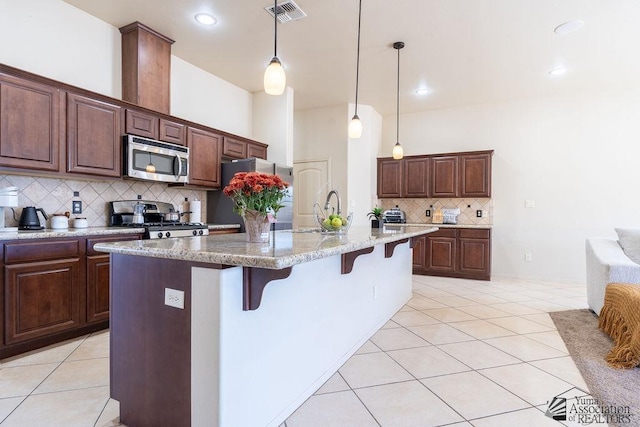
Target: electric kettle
[29, 218]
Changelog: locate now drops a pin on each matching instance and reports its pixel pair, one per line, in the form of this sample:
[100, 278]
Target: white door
[311, 178]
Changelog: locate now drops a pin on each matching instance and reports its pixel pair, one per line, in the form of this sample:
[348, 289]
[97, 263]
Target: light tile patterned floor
[460, 353]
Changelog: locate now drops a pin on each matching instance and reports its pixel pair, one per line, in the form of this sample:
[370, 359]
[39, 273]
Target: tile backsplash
[415, 209]
[54, 195]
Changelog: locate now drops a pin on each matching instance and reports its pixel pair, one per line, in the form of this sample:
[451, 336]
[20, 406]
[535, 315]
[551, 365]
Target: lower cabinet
[454, 252]
[53, 290]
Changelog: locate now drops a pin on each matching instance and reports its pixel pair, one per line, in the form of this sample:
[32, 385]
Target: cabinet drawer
[40, 251]
[474, 233]
[444, 232]
[119, 238]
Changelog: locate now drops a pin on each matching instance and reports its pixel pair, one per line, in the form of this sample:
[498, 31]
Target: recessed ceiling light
[205, 19]
[423, 91]
[558, 71]
[568, 27]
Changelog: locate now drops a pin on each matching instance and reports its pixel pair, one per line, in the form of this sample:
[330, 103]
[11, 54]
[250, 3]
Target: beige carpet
[588, 347]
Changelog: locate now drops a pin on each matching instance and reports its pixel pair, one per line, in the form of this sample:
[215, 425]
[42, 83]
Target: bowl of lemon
[334, 223]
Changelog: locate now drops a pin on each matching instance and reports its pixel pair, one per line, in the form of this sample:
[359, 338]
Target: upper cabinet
[444, 179]
[389, 178]
[152, 126]
[475, 175]
[234, 148]
[452, 175]
[204, 157]
[257, 150]
[31, 126]
[94, 136]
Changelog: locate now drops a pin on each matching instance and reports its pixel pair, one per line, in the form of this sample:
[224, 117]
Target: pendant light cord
[358, 55]
[398, 102]
[275, 28]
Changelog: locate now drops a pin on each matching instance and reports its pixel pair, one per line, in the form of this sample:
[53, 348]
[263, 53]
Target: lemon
[336, 222]
[326, 223]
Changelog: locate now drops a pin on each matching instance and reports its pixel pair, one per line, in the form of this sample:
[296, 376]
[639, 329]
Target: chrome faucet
[326, 205]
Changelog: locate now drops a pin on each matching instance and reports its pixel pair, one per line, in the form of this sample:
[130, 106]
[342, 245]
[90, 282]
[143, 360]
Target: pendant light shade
[355, 126]
[398, 152]
[274, 78]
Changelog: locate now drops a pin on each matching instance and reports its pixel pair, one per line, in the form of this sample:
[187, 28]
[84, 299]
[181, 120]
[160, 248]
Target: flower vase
[256, 226]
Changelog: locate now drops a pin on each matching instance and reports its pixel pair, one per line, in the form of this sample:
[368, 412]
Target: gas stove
[155, 226]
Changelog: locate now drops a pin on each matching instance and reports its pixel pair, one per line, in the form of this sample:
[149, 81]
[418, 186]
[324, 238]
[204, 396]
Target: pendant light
[274, 77]
[355, 126]
[398, 152]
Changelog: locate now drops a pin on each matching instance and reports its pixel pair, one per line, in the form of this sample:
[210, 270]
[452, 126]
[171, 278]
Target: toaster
[394, 216]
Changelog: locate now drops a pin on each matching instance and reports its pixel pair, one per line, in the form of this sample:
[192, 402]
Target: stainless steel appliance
[123, 212]
[220, 207]
[394, 216]
[152, 160]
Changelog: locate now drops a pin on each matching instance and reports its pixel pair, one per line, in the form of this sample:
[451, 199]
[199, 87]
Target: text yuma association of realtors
[588, 410]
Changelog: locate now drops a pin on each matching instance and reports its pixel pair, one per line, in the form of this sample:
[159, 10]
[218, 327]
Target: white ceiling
[466, 51]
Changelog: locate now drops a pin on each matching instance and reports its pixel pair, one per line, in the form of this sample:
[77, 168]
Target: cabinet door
[389, 178]
[416, 178]
[257, 151]
[141, 124]
[98, 277]
[475, 175]
[475, 252]
[442, 251]
[97, 288]
[172, 132]
[94, 132]
[419, 252]
[30, 125]
[234, 148]
[41, 298]
[204, 157]
[444, 177]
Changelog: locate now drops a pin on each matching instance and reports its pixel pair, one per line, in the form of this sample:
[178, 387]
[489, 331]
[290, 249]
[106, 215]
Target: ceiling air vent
[287, 11]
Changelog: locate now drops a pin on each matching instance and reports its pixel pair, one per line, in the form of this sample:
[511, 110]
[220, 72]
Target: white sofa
[608, 262]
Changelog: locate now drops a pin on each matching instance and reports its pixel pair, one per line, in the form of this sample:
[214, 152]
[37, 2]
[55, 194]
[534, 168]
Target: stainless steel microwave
[152, 160]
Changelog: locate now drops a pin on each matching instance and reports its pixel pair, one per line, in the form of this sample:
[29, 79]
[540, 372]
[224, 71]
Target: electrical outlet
[174, 298]
[76, 206]
[428, 213]
[529, 204]
[527, 257]
[478, 213]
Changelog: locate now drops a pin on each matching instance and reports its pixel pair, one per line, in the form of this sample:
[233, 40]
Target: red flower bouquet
[256, 191]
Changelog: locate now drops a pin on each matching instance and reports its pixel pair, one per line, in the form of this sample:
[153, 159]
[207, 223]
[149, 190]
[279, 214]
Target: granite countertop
[49, 233]
[286, 248]
[450, 225]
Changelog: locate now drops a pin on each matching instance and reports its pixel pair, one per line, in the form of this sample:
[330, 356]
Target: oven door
[156, 161]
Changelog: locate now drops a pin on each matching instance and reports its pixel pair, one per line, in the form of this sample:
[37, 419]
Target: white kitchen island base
[272, 359]
[231, 357]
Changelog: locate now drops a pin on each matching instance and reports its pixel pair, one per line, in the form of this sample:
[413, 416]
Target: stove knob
[167, 234]
[160, 235]
[200, 232]
[194, 232]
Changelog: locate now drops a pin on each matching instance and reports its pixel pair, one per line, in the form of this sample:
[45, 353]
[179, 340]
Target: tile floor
[460, 353]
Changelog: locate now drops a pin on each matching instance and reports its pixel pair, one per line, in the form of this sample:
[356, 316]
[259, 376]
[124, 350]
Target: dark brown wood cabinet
[416, 177]
[31, 127]
[204, 157]
[53, 290]
[419, 245]
[444, 178]
[455, 252]
[475, 175]
[97, 290]
[234, 148]
[153, 126]
[94, 136]
[256, 150]
[173, 132]
[389, 178]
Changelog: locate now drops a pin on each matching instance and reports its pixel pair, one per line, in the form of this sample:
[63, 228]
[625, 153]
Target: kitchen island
[213, 331]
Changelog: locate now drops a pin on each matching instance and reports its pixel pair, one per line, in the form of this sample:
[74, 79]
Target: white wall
[575, 156]
[273, 125]
[56, 40]
[321, 133]
[362, 173]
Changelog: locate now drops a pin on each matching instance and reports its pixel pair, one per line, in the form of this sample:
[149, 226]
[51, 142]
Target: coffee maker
[8, 199]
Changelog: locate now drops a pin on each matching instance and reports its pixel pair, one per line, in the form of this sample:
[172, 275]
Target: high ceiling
[465, 51]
